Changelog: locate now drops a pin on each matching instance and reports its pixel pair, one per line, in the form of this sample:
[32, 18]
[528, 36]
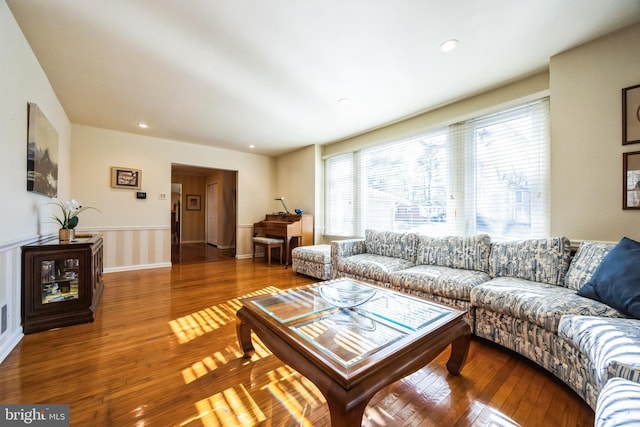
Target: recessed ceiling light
[344, 101]
[252, 146]
[449, 45]
[143, 125]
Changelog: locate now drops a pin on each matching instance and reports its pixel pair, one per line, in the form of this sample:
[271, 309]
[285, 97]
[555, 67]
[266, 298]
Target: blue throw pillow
[616, 281]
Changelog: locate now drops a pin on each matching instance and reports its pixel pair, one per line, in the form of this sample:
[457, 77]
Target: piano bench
[314, 261]
[268, 244]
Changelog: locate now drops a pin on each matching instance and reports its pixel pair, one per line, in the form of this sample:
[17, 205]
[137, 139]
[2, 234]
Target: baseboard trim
[10, 343]
[137, 267]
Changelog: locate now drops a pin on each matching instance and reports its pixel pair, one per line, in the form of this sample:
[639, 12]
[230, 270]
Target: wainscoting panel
[10, 294]
[133, 248]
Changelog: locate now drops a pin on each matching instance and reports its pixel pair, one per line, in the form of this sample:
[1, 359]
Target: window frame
[462, 187]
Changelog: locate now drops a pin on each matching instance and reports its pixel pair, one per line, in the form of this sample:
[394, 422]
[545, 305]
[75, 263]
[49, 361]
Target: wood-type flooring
[163, 352]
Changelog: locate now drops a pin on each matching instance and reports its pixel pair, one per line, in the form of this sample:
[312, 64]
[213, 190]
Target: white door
[212, 214]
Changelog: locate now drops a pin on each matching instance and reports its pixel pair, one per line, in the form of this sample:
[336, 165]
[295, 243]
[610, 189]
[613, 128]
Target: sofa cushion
[370, 266]
[392, 244]
[538, 260]
[612, 345]
[448, 282]
[539, 303]
[618, 404]
[468, 252]
[585, 262]
[616, 281]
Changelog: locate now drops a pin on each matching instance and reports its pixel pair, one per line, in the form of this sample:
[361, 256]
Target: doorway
[211, 222]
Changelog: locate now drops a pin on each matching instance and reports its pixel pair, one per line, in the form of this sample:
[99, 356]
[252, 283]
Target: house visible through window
[486, 175]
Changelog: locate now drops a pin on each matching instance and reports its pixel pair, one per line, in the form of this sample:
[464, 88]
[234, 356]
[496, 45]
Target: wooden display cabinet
[61, 282]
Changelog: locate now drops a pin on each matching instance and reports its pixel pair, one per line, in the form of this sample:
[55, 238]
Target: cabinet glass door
[59, 280]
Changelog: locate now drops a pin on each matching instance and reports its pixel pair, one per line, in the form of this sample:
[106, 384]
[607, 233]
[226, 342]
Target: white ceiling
[269, 72]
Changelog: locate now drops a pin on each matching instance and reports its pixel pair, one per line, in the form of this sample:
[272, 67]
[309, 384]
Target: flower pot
[66, 234]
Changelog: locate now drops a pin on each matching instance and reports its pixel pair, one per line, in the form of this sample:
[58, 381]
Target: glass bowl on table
[345, 293]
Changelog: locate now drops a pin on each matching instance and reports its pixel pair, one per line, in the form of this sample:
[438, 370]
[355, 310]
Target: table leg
[346, 412]
[459, 352]
[347, 405]
[243, 331]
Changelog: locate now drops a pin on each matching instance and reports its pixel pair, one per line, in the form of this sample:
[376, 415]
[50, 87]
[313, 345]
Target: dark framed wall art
[42, 153]
[631, 180]
[193, 202]
[631, 115]
[127, 178]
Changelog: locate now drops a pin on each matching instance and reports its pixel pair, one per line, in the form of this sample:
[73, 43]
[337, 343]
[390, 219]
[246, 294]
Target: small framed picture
[193, 202]
[631, 180]
[631, 115]
[126, 178]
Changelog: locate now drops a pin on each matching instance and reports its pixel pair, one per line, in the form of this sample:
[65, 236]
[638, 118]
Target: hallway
[198, 252]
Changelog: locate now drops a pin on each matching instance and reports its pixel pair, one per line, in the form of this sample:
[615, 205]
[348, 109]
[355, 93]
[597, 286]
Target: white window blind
[487, 175]
[406, 184]
[511, 157]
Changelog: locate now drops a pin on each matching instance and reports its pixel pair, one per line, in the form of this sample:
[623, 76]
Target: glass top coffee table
[352, 339]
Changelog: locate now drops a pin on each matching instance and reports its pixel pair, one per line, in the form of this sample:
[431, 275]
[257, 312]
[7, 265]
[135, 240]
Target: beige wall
[25, 217]
[586, 136]
[141, 228]
[511, 94]
[23, 81]
[297, 173]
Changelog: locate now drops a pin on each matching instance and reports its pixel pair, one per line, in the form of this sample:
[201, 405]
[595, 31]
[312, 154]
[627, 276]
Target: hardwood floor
[198, 252]
[163, 352]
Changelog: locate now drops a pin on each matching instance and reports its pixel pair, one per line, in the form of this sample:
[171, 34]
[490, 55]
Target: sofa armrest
[618, 404]
[611, 344]
[619, 369]
[345, 248]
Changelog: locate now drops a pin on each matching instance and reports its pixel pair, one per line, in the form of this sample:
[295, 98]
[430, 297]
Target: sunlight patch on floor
[189, 327]
[294, 392]
[218, 359]
[490, 417]
[232, 407]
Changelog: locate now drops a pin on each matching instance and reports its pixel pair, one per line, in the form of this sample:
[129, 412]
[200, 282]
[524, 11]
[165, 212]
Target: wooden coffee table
[352, 353]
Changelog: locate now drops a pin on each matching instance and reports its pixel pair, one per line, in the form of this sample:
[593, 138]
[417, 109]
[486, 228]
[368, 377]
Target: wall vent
[3, 319]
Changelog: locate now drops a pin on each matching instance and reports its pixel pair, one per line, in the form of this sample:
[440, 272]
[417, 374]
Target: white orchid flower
[70, 210]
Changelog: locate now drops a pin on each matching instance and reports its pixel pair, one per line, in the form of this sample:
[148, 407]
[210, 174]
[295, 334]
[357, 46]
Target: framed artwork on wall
[127, 178]
[631, 115]
[42, 153]
[631, 180]
[193, 202]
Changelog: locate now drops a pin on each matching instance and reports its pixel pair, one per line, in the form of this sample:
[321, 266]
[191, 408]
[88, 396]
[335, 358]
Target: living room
[584, 84]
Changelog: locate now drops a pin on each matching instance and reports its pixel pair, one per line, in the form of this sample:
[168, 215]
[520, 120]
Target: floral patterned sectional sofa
[522, 295]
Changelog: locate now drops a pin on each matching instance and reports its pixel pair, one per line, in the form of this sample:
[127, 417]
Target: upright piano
[289, 227]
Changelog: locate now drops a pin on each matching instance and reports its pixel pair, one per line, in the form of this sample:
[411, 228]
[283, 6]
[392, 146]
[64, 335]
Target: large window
[487, 175]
